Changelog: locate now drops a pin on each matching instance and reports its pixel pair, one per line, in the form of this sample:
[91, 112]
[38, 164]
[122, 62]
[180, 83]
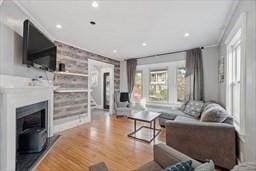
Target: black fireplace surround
[31, 133]
[32, 141]
[31, 127]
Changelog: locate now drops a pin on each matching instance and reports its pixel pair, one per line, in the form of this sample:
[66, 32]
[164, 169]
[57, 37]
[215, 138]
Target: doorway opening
[101, 85]
[106, 88]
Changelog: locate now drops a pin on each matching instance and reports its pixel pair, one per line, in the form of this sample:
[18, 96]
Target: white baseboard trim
[69, 122]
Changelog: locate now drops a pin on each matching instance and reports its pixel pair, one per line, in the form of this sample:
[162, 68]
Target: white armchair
[121, 108]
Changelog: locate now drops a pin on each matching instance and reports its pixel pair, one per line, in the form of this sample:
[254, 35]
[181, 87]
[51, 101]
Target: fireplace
[32, 140]
[15, 99]
[31, 128]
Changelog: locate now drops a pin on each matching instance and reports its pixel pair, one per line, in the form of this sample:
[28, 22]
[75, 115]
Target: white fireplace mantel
[15, 92]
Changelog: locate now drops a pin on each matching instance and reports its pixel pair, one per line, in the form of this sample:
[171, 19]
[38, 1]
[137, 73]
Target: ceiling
[124, 25]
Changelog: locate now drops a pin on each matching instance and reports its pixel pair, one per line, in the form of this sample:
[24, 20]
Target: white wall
[11, 43]
[162, 59]
[248, 142]
[123, 77]
[210, 65]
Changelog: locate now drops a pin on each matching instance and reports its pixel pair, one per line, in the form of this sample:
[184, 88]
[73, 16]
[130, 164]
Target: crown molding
[34, 20]
[228, 19]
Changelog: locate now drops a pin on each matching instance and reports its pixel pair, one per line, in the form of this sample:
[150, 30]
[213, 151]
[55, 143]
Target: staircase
[93, 103]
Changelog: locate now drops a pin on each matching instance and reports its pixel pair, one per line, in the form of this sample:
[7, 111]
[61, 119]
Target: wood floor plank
[104, 139]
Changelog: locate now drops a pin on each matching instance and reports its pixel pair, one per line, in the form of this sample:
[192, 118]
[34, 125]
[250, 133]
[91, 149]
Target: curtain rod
[167, 53]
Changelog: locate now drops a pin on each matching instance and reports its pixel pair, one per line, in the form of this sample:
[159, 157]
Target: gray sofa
[165, 156]
[214, 139]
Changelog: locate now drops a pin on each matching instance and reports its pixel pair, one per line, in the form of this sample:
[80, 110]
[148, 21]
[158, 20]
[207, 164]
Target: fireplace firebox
[31, 127]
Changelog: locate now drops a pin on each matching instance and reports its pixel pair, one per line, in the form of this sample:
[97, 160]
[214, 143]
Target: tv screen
[38, 50]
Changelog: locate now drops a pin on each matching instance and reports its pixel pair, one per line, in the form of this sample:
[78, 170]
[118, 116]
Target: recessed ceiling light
[114, 51]
[95, 4]
[92, 22]
[186, 34]
[144, 44]
[58, 26]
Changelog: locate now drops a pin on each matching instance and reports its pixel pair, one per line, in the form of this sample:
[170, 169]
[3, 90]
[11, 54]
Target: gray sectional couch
[209, 134]
[180, 115]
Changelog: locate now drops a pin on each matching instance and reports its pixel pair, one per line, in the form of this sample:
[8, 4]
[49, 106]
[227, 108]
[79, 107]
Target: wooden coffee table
[148, 117]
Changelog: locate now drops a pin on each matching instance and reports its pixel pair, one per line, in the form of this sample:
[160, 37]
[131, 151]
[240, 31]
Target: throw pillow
[209, 166]
[122, 104]
[180, 166]
[212, 105]
[214, 115]
[194, 108]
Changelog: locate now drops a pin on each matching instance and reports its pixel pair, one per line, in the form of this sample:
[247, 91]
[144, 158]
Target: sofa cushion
[186, 119]
[194, 108]
[214, 115]
[180, 166]
[229, 120]
[172, 114]
[209, 105]
[209, 166]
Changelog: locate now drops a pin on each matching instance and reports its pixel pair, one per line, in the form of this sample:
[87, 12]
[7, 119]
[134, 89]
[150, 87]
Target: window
[158, 91]
[180, 82]
[234, 76]
[234, 63]
[137, 90]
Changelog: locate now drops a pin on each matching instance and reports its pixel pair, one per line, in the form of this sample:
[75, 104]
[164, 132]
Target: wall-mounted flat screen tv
[38, 50]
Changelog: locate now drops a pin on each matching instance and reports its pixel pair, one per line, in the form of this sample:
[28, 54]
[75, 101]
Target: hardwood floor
[104, 139]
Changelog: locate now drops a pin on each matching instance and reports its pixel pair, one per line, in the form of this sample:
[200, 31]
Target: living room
[127, 85]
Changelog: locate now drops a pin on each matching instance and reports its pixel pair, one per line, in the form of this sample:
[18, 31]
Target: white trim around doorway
[106, 68]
